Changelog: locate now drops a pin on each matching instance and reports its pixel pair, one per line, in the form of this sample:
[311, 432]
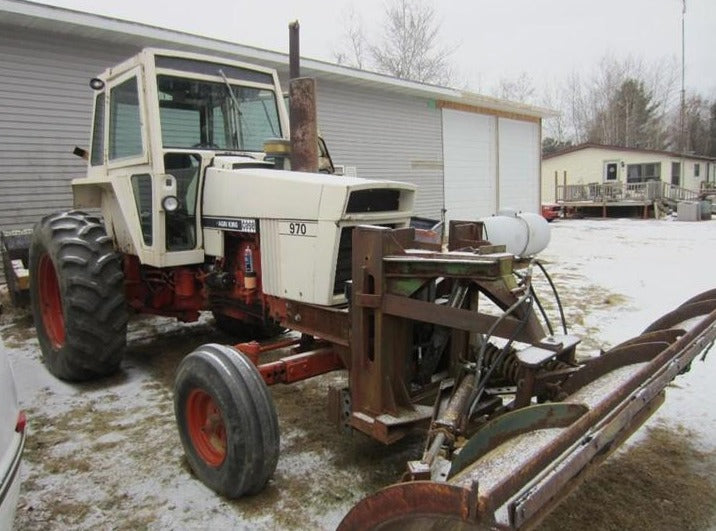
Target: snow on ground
[620, 275]
[107, 455]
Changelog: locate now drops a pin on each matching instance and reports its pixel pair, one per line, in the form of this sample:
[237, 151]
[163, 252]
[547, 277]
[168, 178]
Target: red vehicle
[551, 211]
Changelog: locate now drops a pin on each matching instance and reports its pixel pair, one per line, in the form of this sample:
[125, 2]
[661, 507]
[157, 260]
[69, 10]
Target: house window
[640, 173]
[697, 170]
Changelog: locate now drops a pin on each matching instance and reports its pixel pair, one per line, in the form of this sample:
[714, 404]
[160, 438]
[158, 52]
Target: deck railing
[601, 193]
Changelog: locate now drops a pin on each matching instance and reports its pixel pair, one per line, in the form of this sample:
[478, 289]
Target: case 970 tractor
[188, 166]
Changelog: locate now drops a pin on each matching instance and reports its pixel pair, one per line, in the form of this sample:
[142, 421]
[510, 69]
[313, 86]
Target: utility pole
[682, 139]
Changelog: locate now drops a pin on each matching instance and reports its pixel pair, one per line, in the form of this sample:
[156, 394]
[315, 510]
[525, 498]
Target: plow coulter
[457, 344]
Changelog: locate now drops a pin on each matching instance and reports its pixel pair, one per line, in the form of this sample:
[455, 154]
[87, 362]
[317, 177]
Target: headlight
[170, 203]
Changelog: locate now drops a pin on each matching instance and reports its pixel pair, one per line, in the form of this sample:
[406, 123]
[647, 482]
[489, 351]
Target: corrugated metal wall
[385, 136]
[46, 107]
[45, 111]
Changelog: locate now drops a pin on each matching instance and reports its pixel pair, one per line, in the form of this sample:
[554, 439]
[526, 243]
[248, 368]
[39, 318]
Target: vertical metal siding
[45, 111]
[46, 108]
[385, 136]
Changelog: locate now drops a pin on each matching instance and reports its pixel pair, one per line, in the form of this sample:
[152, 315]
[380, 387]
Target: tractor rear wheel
[227, 420]
[77, 296]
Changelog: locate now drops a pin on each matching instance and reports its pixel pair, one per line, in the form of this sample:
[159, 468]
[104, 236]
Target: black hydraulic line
[556, 295]
[542, 311]
[498, 360]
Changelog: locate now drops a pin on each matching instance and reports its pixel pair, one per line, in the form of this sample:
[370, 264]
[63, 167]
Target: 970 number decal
[298, 228]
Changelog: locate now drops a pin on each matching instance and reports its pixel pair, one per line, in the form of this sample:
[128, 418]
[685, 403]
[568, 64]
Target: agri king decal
[231, 224]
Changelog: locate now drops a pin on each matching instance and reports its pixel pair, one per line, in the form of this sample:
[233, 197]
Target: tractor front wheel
[77, 296]
[227, 421]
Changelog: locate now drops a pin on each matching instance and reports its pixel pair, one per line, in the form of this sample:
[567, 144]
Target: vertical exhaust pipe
[294, 52]
[302, 110]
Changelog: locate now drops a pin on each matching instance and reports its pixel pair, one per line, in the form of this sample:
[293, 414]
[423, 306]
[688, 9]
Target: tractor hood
[260, 193]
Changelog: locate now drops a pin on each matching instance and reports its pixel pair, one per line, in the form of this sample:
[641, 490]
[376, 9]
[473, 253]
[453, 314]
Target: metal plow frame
[524, 456]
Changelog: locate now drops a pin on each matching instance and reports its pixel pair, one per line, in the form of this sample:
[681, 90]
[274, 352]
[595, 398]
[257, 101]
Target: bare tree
[410, 47]
[353, 51]
[699, 124]
[623, 102]
[556, 128]
[520, 88]
[407, 45]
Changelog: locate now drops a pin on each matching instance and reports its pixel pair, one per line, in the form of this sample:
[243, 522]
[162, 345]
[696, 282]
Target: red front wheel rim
[50, 302]
[207, 429]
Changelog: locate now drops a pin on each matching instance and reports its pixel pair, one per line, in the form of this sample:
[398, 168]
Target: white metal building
[467, 153]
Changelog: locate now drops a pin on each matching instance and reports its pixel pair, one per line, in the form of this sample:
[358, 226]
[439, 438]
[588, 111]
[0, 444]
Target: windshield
[202, 114]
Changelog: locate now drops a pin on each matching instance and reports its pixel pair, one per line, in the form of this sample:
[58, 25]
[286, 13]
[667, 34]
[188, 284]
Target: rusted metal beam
[329, 323]
[300, 366]
[469, 320]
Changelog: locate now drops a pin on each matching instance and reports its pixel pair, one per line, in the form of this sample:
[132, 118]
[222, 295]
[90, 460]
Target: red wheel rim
[50, 302]
[206, 427]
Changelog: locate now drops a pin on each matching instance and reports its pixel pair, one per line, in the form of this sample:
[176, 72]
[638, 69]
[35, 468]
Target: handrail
[619, 191]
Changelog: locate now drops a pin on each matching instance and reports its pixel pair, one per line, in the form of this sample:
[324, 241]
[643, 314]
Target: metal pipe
[302, 110]
[293, 50]
[304, 128]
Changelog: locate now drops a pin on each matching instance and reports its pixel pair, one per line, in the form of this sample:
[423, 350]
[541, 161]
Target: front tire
[227, 421]
[77, 296]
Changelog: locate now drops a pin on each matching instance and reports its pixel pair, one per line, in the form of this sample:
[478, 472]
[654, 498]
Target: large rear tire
[227, 421]
[77, 296]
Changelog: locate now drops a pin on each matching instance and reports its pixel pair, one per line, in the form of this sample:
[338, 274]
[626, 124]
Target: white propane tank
[524, 234]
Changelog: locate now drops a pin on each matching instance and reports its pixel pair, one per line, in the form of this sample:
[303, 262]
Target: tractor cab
[161, 119]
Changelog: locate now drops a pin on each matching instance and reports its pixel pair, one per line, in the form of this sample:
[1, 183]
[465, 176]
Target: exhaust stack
[302, 110]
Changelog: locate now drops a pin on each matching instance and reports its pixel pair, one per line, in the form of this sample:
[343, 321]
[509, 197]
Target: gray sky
[547, 39]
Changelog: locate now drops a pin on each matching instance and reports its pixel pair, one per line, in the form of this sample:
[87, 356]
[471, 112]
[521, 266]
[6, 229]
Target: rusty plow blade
[513, 469]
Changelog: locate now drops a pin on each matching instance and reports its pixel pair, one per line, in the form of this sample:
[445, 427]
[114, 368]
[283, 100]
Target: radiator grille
[343, 263]
[378, 200]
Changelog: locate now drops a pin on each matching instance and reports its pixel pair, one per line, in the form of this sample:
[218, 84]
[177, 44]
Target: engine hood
[255, 192]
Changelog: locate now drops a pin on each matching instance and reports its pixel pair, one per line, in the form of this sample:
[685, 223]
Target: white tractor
[188, 166]
[196, 215]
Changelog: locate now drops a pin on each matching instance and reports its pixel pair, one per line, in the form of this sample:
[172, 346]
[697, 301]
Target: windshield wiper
[237, 115]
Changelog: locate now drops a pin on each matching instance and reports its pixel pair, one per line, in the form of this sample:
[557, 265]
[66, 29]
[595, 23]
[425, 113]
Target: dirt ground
[107, 455]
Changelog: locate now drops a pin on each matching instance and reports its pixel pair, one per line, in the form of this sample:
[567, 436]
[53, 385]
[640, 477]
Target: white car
[12, 441]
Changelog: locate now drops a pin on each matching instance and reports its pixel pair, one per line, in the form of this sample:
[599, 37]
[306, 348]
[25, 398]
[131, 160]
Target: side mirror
[82, 153]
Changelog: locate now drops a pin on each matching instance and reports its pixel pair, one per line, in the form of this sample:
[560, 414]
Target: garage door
[519, 165]
[470, 164]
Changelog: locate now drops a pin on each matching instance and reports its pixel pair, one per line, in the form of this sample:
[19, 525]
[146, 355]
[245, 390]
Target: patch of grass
[663, 483]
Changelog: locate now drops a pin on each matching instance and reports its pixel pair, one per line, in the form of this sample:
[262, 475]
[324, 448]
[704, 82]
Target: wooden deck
[636, 197]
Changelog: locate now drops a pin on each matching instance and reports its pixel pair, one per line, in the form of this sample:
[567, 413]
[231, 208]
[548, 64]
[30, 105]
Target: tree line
[623, 101]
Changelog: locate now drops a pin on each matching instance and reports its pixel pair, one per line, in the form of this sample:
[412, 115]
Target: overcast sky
[494, 39]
